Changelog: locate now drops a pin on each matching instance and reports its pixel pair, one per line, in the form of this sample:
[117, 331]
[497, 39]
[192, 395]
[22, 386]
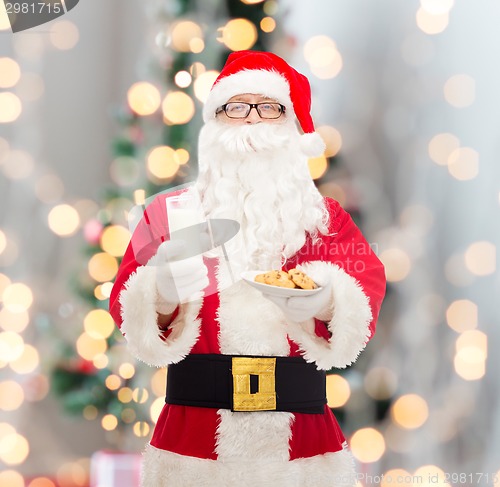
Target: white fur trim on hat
[350, 324]
[139, 302]
[255, 81]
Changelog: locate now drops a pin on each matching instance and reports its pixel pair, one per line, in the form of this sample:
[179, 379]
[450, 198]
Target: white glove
[298, 309]
[179, 281]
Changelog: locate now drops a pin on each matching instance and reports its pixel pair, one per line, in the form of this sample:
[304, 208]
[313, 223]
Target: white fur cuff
[349, 326]
[139, 302]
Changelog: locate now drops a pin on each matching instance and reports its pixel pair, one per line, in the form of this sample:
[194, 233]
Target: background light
[64, 35]
[367, 445]
[10, 107]
[144, 98]
[239, 34]
[63, 220]
[410, 411]
[441, 146]
[178, 108]
[10, 72]
[204, 83]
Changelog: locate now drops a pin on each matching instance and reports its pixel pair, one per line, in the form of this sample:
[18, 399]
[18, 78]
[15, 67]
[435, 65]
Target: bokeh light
[430, 475]
[113, 382]
[143, 98]
[14, 449]
[141, 429]
[317, 166]
[251, 2]
[437, 7]
[88, 347]
[431, 24]
[3, 244]
[183, 79]
[64, 220]
[18, 164]
[323, 57]
[125, 395]
[367, 445]
[11, 478]
[203, 84]
[162, 162]
[14, 321]
[140, 395]
[338, 390]
[115, 239]
[11, 346]
[10, 72]
[471, 353]
[410, 411]
[158, 381]
[238, 34]
[267, 24]
[397, 264]
[17, 297]
[156, 408]
[460, 90]
[41, 482]
[64, 35]
[109, 422]
[461, 315]
[10, 107]
[463, 163]
[11, 395]
[480, 258]
[178, 108]
[126, 370]
[186, 36]
[102, 267]
[441, 146]
[332, 139]
[27, 362]
[98, 324]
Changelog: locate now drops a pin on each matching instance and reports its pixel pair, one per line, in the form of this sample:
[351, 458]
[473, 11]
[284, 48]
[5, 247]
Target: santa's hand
[178, 281]
[297, 308]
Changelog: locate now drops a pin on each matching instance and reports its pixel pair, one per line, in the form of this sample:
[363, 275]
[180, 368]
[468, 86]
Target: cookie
[275, 278]
[301, 280]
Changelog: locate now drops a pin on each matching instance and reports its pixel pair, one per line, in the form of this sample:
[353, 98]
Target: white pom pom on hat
[267, 74]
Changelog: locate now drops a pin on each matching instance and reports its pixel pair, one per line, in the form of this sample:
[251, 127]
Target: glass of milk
[184, 212]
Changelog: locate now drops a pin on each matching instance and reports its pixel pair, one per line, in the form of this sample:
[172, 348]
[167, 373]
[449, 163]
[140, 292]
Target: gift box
[115, 469]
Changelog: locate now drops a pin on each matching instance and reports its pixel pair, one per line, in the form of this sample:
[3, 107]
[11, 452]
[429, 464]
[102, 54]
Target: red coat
[219, 445]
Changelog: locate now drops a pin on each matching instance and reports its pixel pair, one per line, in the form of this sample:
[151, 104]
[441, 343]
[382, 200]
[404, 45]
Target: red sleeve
[349, 249]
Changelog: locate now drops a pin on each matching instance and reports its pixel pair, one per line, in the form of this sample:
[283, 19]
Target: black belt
[247, 383]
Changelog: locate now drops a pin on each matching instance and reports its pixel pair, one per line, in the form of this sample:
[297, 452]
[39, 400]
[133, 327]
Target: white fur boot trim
[166, 469]
[139, 304]
[350, 324]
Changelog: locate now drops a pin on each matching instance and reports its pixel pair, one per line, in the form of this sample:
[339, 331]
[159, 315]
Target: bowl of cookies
[281, 283]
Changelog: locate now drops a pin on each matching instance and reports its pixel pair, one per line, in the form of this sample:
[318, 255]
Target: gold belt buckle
[265, 398]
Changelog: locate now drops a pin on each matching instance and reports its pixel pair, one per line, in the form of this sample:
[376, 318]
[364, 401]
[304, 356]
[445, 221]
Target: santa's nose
[253, 116]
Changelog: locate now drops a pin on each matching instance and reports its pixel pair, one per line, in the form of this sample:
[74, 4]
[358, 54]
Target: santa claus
[246, 401]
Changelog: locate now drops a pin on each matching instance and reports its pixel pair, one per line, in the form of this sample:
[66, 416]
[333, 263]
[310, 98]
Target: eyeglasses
[242, 110]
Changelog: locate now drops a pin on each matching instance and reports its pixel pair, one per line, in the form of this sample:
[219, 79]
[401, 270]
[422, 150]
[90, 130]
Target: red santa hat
[264, 73]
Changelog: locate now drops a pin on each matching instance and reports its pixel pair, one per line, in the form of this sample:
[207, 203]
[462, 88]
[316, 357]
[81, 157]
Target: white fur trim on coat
[255, 81]
[350, 324]
[139, 304]
[162, 468]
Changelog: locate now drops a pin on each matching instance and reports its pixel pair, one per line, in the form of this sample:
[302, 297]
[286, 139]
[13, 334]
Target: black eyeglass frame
[251, 106]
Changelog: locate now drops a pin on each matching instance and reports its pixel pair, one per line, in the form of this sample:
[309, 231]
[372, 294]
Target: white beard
[257, 175]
